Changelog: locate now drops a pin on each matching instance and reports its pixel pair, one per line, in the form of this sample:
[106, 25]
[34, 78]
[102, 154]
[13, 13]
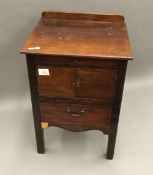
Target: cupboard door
[94, 83]
[55, 81]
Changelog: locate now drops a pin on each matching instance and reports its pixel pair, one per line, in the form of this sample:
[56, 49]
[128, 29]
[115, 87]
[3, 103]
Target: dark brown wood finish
[60, 82]
[94, 35]
[83, 16]
[86, 56]
[94, 83]
[122, 66]
[103, 102]
[75, 62]
[35, 103]
[81, 83]
[76, 117]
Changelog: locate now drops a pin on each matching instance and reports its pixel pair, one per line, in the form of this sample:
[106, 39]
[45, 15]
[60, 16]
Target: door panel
[94, 83]
[59, 82]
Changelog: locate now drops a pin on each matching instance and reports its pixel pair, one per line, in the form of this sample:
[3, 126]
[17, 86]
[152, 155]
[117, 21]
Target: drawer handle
[75, 115]
[68, 110]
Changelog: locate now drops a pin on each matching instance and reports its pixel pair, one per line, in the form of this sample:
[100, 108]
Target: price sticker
[43, 72]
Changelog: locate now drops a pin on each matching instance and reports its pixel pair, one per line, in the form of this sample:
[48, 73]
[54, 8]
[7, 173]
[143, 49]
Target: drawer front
[75, 62]
[75, 117]
[57, 84]
[94, 83]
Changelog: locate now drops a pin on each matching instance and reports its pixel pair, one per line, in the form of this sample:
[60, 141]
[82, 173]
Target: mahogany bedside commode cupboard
[76, 66]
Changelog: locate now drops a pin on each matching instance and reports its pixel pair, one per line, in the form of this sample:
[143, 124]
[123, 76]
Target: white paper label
[43, 71]
[37, 48]
[34, 48]
[31, 48]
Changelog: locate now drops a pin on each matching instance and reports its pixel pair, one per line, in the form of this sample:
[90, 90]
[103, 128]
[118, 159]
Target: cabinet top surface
[76, 34]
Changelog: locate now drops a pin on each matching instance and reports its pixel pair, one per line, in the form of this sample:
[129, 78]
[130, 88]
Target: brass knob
[82, 110]
[73, 83]
[78, 84]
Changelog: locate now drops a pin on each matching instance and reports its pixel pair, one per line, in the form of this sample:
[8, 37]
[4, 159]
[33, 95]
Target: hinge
[44, 125]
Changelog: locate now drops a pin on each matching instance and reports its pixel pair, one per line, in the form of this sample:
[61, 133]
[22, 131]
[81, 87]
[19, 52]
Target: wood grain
[114, 17]
[93, 117]
[75, 36]
[77, 82]
[58, 84]
[93, 83]
[75, 62]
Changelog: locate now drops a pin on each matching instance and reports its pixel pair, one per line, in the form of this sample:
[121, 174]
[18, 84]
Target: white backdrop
[75, 153]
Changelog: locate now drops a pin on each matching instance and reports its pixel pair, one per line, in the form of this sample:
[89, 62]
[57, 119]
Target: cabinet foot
[111, 144]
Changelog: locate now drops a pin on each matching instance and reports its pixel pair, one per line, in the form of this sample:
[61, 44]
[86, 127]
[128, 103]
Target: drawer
[77, 117]
[96, 83]
[75, 62]
[57, 84]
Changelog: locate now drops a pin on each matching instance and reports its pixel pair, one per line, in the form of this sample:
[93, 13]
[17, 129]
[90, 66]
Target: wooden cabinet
[76, 66]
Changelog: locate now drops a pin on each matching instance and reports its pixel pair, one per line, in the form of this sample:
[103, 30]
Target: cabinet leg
[39, 132]
[111, 144]
[40, 141]
[122, 65]
[35, 103]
